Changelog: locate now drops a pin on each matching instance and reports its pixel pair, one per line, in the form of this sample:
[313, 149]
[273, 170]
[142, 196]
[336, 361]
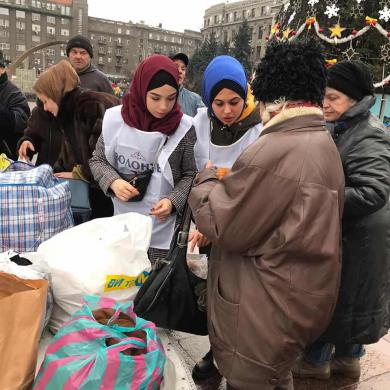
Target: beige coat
[274, 223]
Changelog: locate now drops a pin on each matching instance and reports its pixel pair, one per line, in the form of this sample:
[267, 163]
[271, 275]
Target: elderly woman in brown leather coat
[274, 222]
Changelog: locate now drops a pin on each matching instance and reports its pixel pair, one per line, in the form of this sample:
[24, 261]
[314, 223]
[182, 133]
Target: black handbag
[171, 295]
[141, 180]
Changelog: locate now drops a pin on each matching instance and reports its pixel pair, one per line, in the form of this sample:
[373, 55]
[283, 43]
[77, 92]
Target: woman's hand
[162, 209]
[123, 190]
[64, 175]
[24, 148]
[197, 239]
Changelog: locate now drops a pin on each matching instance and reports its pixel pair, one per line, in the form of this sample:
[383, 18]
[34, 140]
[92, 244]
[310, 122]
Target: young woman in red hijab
[148, 133]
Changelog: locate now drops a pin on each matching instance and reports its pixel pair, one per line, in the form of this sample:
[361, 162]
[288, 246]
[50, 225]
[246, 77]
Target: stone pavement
[375, 367]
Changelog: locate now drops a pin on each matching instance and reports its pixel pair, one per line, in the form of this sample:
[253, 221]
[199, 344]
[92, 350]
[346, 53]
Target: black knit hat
[293, 70]
[352, 78]
[81, 42]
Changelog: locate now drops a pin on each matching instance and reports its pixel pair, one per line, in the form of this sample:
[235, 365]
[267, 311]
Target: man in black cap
[80, 53]
[189, 101]
[14, 112]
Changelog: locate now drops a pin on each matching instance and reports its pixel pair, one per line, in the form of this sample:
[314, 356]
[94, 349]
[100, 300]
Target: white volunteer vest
[221, 156]
[129, 151]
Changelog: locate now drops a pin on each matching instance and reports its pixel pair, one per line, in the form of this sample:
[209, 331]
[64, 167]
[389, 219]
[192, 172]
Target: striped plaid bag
[104, 346]
[34, 206]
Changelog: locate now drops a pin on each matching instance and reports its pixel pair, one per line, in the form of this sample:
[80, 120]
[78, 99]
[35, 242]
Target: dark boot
[205, 368]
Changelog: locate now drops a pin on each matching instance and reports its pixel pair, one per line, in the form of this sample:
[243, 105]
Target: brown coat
[274, 223]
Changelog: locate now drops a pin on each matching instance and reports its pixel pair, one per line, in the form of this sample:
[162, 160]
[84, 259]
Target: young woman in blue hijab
[228, 124]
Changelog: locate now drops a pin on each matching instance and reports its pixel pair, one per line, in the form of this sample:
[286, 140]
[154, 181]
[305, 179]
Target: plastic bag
[105, 256]
[99, 351]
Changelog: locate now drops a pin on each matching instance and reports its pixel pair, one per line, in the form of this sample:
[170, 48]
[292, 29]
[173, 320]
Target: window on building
[4, 33]
[20, 47]
[64, 32]
[65, 21]
[109, 59]
[4, 22]
[4, 46]
[36, 38]
[36, 4]
[215, 19]
[260, 32]
[128, 32]
[37, 61]
[235, 16]
[4, 11]
[35, 17]
[36, 28]
[20, 14]
[50, 52]
[252, 14]
[51, 19]
[51, 31]
[263, 11]
[63, 53]
[20, 25]
[20, 2]
[119, 31]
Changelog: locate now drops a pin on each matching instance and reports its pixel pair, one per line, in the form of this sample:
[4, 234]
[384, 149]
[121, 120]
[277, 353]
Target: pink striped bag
[104, 346]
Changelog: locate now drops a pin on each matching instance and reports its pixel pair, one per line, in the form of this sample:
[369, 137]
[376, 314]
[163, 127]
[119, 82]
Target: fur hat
[293, 70]
[81, 42]
[352, 78]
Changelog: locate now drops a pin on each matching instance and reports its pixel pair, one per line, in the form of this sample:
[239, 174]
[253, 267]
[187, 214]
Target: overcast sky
[153, 12]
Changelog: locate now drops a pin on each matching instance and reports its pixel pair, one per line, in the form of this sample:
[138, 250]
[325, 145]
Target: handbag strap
[182, 236]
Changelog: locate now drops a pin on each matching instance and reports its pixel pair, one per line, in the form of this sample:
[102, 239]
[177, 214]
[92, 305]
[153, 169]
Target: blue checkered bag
[34, 206]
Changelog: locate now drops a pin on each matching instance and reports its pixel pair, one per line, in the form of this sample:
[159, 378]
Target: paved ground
[375, 367]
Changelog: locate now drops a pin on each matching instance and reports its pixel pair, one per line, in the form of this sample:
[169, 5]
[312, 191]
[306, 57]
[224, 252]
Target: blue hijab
[222, 68]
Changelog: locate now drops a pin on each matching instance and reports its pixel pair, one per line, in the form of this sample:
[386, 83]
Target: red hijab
[134, 111]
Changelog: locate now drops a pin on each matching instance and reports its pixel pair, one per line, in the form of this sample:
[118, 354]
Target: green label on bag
[122, 282]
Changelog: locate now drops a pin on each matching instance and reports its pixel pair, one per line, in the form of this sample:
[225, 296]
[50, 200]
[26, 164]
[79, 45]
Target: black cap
[80, 42]
[182, 57]
[353, 78]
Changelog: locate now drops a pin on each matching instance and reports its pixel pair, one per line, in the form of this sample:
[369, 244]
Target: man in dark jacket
[79, 51]
[14, 112]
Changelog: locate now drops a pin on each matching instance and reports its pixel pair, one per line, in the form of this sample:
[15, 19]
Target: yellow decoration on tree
[275, 28]
[286, 32]
[371, 21]
[336, 30]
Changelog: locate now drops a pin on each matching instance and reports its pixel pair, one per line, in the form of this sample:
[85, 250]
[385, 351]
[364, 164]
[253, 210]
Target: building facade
[224, 19]
[28, 23]
[118, 46]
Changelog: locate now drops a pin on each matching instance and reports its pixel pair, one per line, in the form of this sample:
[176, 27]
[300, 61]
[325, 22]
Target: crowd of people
[288, 179]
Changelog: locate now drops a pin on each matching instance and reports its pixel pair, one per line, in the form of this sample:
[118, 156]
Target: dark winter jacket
[65, 141]
[362, 312]
[14, 112]
[95, 80]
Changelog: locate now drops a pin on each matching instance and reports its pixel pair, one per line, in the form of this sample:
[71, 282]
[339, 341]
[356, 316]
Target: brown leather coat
[274, 223]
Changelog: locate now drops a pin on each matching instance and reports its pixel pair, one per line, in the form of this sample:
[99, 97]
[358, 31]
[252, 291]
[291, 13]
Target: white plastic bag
[105, 256]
